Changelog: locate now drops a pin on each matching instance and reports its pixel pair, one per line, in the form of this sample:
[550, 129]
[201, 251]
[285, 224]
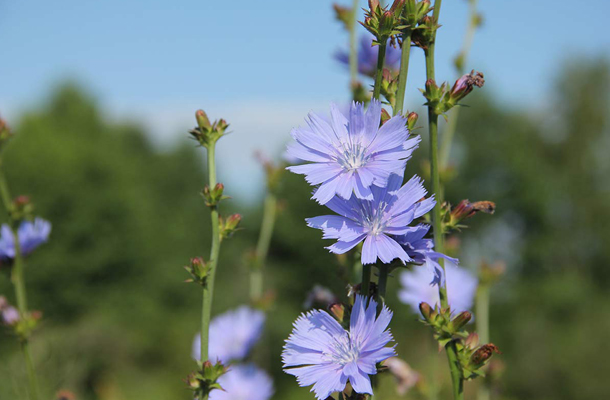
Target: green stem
[451, 126]
[208, 290]
[365, 287]
[454, 366]
[379, 72]
[404, 71]
[262, 247]
[482, 328]
[353, 44]
[18, 282]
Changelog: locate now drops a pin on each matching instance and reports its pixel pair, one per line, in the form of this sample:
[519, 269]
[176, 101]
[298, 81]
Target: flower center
[344, 351]
[352, 156]
[374, 218]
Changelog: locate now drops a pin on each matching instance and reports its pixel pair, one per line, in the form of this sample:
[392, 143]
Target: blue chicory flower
[351, 155]
[416, 287]
[320, 352]
[376, 221]
[244, 382]
[368, 54]
[31, 235]
[232, 335]
[422, 252]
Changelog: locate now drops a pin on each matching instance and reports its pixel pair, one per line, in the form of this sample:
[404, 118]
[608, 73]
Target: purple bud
[465, 84]
[10, 315]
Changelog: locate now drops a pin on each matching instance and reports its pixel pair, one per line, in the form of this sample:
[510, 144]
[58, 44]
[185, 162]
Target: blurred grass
[119, 321]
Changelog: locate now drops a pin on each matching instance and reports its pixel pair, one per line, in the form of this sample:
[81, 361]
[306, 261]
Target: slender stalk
[18, 282]
[262, 247]
[379, 72]
[482, 327]
[451, 126]
[454, 367]
[208, 290]
[404, 71]
[353, 44]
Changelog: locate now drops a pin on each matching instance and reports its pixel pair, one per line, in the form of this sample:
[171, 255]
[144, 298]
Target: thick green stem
[18, 282]
[449, 131]
[482, 327]
[450, 348]
[208, 290]
[404, 72]
[262, 247]
[379, 71]
[353, 43]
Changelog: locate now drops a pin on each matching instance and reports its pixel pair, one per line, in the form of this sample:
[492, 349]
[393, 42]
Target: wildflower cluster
[358, 165]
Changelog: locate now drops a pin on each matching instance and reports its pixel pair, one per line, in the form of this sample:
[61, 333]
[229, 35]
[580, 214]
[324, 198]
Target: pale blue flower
[244, 382]
[376, 222]
[461, 288]
[368, 54]
[320, 352]
[351, 154]
[232, 335]
[31, 235]
[422, 252]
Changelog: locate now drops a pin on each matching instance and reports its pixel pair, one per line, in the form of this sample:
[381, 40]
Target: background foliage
[126, 216]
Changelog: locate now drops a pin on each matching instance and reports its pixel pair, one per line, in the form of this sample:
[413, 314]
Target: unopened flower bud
[199, 271]
[412, 120]
[229, 226]
[373, 4]
[463, 86]
[484, 353]
[10, 315]
[461, 320]
[465, 209]
[397, 6]
[472, 340]
[213, 196]
[343, 14]
[202, 120]
[338, 311]
[426, 310]
[385, 116]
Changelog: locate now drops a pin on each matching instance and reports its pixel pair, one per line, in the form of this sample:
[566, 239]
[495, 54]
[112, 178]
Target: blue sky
[261, 64]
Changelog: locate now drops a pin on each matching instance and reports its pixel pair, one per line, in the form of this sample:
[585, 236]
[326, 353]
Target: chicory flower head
[368, 54]
[320, 352]
[351, 154]
[31, 235]
[422, 252]
[243, 382]
[376, 221]
[232, 335]
[461, 288]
